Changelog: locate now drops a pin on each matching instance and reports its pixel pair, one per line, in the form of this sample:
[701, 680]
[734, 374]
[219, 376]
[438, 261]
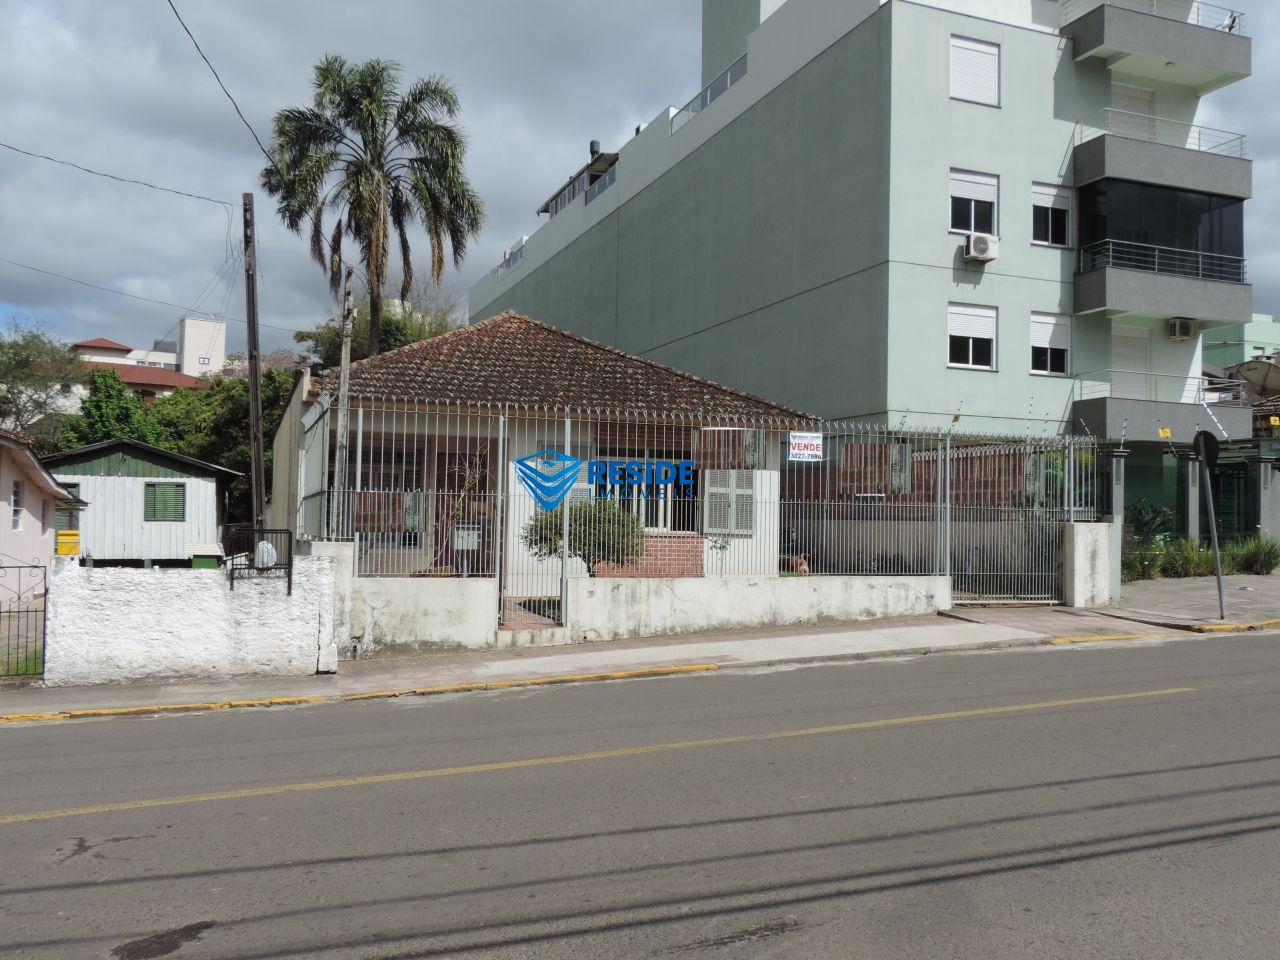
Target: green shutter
[165, 502]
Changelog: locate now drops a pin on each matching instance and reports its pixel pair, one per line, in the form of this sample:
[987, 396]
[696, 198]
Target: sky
[119, 87]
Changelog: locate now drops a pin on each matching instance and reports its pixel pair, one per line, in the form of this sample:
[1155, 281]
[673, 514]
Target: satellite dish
[1262, 376]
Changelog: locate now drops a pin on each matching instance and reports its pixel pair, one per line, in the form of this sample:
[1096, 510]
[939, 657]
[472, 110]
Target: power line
[112, 176]
[248, 126]
[131, 296]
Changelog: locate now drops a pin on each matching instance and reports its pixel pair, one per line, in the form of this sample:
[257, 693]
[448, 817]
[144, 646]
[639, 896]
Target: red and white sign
[805, 447]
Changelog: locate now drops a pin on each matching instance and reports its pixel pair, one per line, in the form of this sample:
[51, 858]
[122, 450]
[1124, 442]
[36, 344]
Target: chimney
[595, 149]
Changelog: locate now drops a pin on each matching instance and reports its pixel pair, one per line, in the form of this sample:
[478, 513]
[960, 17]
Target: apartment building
[1002, 215]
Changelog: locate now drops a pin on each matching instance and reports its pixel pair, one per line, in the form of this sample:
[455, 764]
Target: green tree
[35, 370]
[381, 160]
[424, 315]
[600, 531]
[109, 412]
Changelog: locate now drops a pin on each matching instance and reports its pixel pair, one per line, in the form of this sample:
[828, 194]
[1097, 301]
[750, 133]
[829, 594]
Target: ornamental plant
[600, 531]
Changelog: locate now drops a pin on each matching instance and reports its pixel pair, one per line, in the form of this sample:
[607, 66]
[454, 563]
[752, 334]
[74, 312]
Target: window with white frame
[975, 71]
[1050, 215]
[15, 503]
[971, 336]
[973, 202]
[1050, 344]
[729, 502]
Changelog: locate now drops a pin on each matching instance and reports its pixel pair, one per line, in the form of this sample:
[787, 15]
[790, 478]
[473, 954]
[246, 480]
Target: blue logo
[548, 475]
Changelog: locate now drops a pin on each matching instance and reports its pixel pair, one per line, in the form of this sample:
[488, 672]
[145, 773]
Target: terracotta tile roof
[511, 359]
[15, 437]
[102, 343]
[136, 375]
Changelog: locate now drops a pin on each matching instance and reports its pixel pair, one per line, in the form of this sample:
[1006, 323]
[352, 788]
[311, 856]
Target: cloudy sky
[119, 87]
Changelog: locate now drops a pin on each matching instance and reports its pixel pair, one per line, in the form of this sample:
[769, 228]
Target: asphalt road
[1086, 802]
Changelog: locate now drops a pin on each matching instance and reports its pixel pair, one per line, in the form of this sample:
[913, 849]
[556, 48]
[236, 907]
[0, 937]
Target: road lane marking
[406, 776]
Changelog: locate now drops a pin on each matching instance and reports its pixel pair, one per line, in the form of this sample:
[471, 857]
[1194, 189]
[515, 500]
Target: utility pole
[257, 479]
[340, 496]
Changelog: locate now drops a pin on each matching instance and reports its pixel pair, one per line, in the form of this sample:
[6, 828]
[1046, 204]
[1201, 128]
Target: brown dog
[800, 564]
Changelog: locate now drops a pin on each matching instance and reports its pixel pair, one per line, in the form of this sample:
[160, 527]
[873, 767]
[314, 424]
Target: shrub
[1185, 558]
[1256, 555]
[1149, 522]
[600, 531]
[1143, 562]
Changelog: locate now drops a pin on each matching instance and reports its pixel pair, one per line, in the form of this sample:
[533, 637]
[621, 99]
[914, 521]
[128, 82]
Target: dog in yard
[800, 564]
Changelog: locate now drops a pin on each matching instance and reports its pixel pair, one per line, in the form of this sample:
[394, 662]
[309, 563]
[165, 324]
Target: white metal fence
[534, 497]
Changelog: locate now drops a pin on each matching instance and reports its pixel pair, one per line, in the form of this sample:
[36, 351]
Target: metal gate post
[564, 535]
[947, 510]
[500, 510]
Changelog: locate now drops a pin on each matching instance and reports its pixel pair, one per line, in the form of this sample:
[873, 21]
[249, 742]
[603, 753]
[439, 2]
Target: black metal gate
[24, 591]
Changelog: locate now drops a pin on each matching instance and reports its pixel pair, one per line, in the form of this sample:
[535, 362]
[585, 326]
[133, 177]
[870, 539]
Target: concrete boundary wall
[421, 614]
[607, 609]
[1086, 564]
[116, 625]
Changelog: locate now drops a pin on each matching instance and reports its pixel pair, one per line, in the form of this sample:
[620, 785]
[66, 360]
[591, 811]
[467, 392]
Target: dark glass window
[1050, 225]
[1049, 360]
[1161, 217]
[971, 352]
[973, 216]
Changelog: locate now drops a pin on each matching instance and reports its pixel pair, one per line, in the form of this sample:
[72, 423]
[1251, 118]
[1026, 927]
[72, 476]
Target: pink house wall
[33, 541]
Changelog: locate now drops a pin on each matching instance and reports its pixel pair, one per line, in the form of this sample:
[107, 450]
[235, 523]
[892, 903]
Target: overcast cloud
[119, 87]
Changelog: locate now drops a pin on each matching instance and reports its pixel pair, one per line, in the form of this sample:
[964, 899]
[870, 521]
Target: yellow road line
[1098, 638]
[411, 775]
[147, 711]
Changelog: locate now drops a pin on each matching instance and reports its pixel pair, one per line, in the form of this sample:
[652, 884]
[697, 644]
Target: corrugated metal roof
[130, 458]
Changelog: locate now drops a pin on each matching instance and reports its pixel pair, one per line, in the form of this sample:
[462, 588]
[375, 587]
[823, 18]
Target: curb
[1235, 627]
[213, 706]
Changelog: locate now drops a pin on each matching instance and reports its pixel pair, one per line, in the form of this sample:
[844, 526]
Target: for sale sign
[804, 447]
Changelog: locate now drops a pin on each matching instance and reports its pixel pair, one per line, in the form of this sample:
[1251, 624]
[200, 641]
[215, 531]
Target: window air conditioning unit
[1180, 329]
[981, 247]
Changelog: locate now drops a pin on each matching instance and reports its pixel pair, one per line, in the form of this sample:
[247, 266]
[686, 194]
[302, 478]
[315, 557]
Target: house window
[68, 519]
[16, 504]
[973, 202]
[165, 503]
[1050, 344]
[1050, 215]
[204, 361]
[971, 336]
[975, 71]
[729, 502]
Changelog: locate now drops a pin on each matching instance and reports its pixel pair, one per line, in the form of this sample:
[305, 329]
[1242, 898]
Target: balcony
[1187, 42]
[1118, 277]
[710, 93]
[1137, 405]
[1119, 145]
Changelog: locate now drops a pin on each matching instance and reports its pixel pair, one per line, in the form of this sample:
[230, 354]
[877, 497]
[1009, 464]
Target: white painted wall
[117, 625]
[200, 338]
[421, 614]
[601, 609]
[112, 526]
[32, 541]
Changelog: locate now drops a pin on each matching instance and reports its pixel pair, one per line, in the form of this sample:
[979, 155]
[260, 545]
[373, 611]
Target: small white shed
[144, 503]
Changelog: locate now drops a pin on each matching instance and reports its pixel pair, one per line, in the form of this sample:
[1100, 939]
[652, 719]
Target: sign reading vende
[804, 447]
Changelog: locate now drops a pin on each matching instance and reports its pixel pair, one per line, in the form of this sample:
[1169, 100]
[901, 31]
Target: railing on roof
[710, 93]
[602, 184]
[1194, 12]
[1170, 133]
[1164, 388]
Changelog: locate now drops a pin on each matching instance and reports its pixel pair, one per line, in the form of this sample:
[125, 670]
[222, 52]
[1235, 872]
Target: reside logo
[548, 475]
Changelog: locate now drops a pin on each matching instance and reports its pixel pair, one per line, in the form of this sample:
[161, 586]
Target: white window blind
[1052, 331]
[1047, 195]
[966, 320]
[974, 186]
[975, 71]
[729, 502]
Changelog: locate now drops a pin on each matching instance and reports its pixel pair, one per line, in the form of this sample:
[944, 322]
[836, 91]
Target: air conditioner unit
[981, 247]
[1180, 328]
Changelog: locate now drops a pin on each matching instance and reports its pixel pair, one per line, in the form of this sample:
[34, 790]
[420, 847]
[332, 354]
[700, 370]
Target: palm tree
[380, 160]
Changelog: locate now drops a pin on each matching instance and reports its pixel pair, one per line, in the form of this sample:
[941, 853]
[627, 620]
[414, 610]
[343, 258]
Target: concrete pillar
[1086, 565]
[1189, 496]
[1262, 485]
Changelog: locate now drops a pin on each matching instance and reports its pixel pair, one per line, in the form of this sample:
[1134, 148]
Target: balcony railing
[1166, 260]
[1186, 11]
[710, 93]
[1171, 133]
[1166, 388]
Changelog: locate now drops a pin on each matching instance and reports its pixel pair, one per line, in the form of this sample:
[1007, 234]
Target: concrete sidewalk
[1192, 603]
[504, 668]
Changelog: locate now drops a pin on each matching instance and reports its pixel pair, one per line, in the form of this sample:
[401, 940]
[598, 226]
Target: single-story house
[30, 496]
[145, 504]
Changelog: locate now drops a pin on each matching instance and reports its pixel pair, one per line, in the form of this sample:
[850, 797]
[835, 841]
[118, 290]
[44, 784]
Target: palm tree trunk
[375, 318]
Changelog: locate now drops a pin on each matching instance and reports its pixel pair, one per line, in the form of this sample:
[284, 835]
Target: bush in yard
[1144, 562]
[1256, 555]
[600, 531]
[1185, 558]
[1149, 522]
